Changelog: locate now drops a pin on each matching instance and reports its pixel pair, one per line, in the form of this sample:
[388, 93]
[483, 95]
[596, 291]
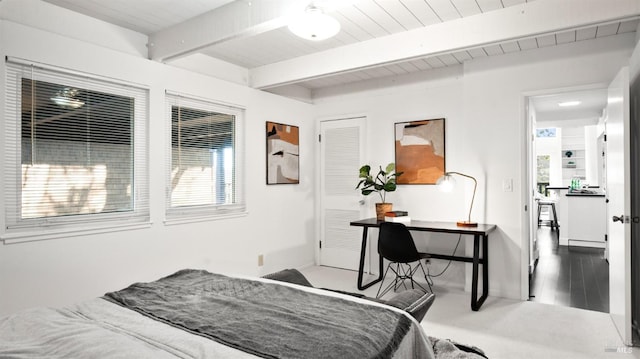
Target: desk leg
[485, 269]
[363, 251]
[475, 302]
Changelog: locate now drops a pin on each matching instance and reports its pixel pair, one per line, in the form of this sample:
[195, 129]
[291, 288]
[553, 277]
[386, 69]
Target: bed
[198, 314]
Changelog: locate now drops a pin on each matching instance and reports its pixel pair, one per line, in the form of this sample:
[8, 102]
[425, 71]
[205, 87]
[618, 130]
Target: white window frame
[197, 213]
[17, 229]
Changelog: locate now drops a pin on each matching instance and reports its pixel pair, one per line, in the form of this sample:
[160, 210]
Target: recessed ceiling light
[569, 103]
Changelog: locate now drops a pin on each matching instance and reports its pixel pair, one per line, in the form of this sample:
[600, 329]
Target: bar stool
[552, 208]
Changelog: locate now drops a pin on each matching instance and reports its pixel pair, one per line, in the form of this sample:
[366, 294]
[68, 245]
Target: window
[205, 164]
[542, 177]
[75, 150]
[546, 132]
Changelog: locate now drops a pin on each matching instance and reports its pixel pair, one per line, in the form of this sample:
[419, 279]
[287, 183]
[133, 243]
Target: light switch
[507, 185]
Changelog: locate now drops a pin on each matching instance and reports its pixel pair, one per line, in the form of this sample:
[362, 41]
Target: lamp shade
[446, 182]
[314, 25]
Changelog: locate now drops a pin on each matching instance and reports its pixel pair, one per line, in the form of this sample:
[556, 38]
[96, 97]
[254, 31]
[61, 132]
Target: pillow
[448, 349]
[413, 301]
[290, 276]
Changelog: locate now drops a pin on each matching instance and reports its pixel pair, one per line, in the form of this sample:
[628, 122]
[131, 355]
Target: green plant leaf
[364, 171]
[390, 186]
[381, 182]
[390, 167]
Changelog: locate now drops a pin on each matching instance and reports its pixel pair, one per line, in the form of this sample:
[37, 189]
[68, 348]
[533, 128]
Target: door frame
[527, 173]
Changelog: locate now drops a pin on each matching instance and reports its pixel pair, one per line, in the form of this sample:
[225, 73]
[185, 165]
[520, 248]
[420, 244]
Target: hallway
[570, 276]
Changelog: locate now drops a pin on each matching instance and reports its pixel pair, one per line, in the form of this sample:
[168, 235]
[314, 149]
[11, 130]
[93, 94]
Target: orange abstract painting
[420, 151]
[282, 153]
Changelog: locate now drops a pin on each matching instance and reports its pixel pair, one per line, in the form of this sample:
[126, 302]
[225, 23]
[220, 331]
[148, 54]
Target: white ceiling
[144, 16]
[549, 113]
[378, 38]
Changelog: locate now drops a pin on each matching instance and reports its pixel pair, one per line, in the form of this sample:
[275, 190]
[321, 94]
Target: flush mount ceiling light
[314, 24]
[65, 98]
[569, 103]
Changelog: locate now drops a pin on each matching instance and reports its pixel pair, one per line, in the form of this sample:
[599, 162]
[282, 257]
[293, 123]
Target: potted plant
[383, 182]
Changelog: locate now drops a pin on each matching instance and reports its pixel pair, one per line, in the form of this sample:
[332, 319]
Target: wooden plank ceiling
[253, 33]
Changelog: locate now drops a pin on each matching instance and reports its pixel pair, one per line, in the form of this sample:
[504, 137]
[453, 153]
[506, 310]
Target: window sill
[20, 237]
[175, 221]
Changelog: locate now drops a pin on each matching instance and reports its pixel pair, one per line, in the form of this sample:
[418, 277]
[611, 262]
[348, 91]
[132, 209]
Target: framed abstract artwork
[419, 149]
[282, 153]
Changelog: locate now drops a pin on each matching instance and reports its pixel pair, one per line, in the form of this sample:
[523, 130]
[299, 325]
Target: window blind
[205, 164]
[75, 148]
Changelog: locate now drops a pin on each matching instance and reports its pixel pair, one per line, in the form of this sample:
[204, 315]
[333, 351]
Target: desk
[480, 239]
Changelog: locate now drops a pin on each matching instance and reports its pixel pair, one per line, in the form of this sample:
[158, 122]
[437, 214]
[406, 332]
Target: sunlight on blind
[68, 147]
[204, 159]
[62, 190]
[75, 149]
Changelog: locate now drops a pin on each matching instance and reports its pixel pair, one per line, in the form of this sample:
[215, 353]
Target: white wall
[483, 103]
[280, 220]
[591, 155]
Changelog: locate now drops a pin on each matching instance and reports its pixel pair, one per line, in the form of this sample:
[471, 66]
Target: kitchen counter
[582, 216]
[587, 219]
[586, 192]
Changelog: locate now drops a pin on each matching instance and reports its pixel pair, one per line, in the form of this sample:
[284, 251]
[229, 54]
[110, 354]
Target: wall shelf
[573, 162]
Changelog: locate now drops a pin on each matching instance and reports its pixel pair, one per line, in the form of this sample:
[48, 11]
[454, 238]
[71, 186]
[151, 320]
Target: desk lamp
[446, 182]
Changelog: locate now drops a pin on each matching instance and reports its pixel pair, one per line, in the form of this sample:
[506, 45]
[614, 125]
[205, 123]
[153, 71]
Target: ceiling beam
[234, 20]
[515, 22]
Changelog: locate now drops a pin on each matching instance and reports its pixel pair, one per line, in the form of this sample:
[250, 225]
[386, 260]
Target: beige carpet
[505, 328]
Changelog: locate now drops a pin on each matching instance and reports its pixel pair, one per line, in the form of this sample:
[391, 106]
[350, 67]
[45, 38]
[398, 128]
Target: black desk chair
[395, 244]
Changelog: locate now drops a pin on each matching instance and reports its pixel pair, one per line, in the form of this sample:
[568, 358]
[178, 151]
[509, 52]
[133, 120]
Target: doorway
[565, 268]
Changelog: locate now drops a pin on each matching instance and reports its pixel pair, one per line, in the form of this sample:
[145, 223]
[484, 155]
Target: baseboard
[582, 243]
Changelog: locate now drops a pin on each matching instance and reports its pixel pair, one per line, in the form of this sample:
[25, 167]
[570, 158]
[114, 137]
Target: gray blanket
[266, 319]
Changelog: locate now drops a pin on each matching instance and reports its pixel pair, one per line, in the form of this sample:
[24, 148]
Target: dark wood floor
[570, 276]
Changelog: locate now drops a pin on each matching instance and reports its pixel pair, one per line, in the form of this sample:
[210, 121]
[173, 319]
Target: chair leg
[393, 284]
[414, 282]
[384, 276]
[406, 274]
[539, 210]
[402, 272]
[399, 276]
[555, 217]
[425, 277]
[411, 271]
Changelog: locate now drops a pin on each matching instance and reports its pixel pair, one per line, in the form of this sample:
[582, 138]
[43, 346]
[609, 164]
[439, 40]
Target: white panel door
[619, 206]
[534, 251]
[341, 153]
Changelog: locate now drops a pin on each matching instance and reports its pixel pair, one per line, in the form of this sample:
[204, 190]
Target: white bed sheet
[100, 329]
